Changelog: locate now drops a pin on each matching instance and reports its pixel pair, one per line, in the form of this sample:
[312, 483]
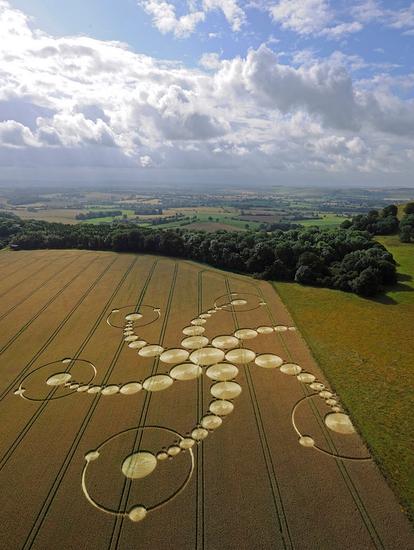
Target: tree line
[385, 222]
[345, 259]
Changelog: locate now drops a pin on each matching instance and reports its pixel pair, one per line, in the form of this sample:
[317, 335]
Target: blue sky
[288, 91]
[125, 20]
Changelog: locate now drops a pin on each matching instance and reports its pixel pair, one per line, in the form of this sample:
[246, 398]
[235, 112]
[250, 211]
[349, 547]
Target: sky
[207, 92]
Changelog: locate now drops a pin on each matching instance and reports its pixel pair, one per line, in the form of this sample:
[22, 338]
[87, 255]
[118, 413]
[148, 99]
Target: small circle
[139, 465]
[172, 356]
[317, 386]
[207, 356]
[137, 513]
[91, 456]
[280, 328]
[291, 369]
[83, 388]
[225, 342]
[162, 455]
[131, 338]
[193, 331]
[110, 390]
[306, 377]
[174, 450]
[268, 361]
[186, 371]
[325, 394]
[131, 388]
[205, 316]
[198, 321]
[211, 422]
[222, 372]
[187, 443]
[331, 402]
[226, 390]
[137, 344]
[58, 379]
[158, 382]
[221, 407]
[194, 342]
[239, 302]
[339, 423]
[133, 316]
[306, 441]
[93, 389]
[199, 434]
[265, 330]
[240, 356]
[245, 334]
[292, 329]
[151, 351]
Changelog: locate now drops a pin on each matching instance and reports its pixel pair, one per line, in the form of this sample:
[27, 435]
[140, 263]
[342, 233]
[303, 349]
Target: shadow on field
[398, 287]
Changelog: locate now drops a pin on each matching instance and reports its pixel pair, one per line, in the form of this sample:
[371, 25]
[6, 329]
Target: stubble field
[136, 415]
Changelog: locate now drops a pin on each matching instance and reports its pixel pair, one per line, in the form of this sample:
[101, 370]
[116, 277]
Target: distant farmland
[113, 363]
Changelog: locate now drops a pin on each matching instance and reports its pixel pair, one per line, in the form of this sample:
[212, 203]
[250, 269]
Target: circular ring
[68, 361]
[134, 309]
[94, 455]
[313, 445]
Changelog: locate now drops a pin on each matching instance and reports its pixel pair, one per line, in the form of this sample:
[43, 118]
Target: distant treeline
[98, 214]
[385, 222]
[348, 260]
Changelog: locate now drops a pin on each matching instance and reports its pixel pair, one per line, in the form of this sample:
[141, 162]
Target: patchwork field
[366, 349]
[147, 402]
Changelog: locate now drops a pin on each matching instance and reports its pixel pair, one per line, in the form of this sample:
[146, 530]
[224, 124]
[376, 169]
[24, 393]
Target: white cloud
[165, 19]
[210, 61]
[342, 29]
[302, 16]
[311, 17]
[79, 107]
[399, 19]
[231, 10]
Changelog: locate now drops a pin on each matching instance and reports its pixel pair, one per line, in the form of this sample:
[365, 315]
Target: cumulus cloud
[302, 16]
[165, 19]
[311, 17]
[86, 106]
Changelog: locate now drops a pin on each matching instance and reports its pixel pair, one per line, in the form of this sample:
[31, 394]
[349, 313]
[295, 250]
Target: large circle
[240, 356]
[246, 333]
[194, 342]
[207, 356]
[193, 330]
[268, 361]
[158, 382]
[222, 372]
[152, 350]
[226, 390]
[139, 465]
[340, 423]
[173, 356]
[186, 371]
[225, 342]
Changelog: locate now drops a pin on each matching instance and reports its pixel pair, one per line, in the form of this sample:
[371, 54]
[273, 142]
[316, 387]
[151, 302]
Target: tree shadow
[399, 286]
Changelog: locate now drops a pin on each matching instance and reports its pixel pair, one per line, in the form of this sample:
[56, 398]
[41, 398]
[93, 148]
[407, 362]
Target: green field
[366, 349]
[327, 220]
